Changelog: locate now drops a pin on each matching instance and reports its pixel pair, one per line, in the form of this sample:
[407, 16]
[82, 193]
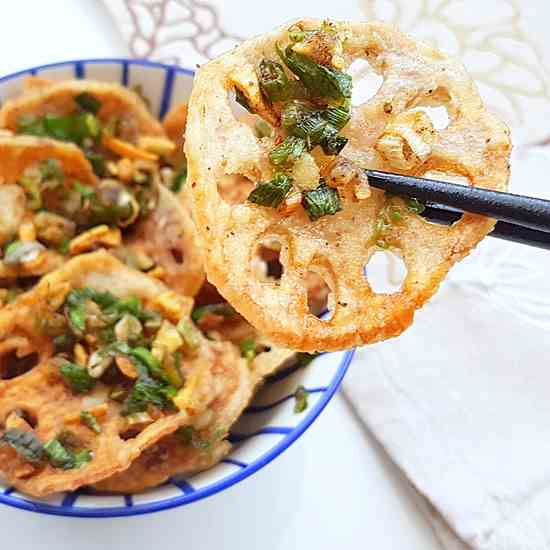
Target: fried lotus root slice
[475, 144]
[200, 444]
[17, 154]
[169, 237]
[134, 120]
[164, 460]
[48, 405]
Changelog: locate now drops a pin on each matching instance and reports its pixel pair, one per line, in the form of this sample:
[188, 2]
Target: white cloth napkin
[461, 401]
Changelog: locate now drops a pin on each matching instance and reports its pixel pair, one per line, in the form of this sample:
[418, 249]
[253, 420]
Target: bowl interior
[269, 425]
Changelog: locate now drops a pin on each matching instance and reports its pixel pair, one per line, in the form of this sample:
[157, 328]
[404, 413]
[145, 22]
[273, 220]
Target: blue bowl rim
[225, 483]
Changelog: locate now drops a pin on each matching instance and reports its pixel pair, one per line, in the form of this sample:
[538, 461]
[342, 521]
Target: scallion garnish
[65, 459]
[415, 206]
[319, 80]
[301, 396]
[25, 443]
[88, 102]
[322, 201]
[77, 377]
[248, 348]
[273, 80]
[89, 420]
[271, 193]
[180, 178]
[289, 150]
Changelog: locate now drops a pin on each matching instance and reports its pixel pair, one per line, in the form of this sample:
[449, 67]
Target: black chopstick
[503, 230]
[520, 210]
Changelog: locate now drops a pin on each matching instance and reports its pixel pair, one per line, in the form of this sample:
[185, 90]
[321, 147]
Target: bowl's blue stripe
[235, 462]
[167, 91]
[79, 71]
[9, 490]
[184, 486]
[124, 75]
[237, 437]
[128, 500]
[254, 409]
[69, 499]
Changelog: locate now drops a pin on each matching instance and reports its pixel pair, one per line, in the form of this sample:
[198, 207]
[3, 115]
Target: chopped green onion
[294, 112]
[180, 178]
[394, 213]
[319, 80]
[25, 443]
[89, 420]
[273, 192]
[301, 395]
[415, 206]
[248, 348]
[310, 126]
[88, 102]
[146, 358]
[273, 80]
[60, 457]
[289, 150]
[332, 145]
[77, 377]
[74, 128]
[190, 335]
[322, 201]
[147, 391]
[337, 116]
[296, 35]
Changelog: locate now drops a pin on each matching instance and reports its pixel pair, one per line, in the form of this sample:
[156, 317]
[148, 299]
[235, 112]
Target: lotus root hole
[266, 262]
[438, 115]
[12, 366]
[319, 296]
[27, 415]
[235, 188]
[366, 82]
[177, 254]
[385, 272]
[130, 433]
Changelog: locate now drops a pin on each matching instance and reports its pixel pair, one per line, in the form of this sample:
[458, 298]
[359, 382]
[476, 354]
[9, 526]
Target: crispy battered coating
[475, 144]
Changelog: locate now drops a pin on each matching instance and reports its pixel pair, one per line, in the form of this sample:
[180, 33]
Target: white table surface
[334, 488]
